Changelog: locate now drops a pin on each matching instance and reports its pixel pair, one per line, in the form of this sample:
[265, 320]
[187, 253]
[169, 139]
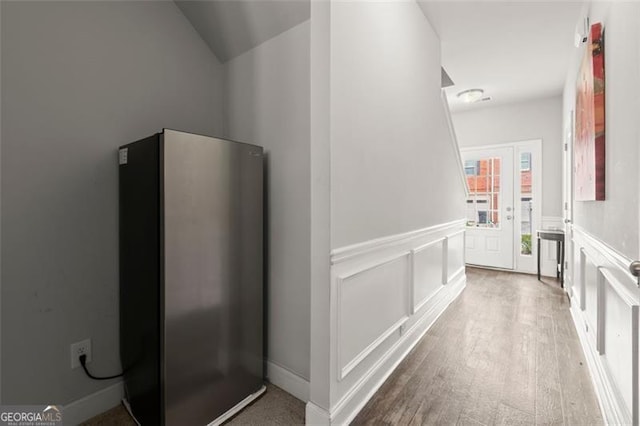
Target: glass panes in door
[526, 204]
[484, 201]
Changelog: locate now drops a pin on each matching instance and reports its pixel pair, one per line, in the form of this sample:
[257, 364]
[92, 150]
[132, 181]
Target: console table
[558, 237]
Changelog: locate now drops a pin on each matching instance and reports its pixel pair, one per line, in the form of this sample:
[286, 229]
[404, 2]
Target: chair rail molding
[605, 310]
[385, 294]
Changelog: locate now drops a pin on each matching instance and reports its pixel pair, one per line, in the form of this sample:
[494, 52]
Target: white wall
[535, 119]
[392, 168]
[78, 80]
[268, 104]
[320, 95]
[615, 221]
[605, 302]
[397, 200]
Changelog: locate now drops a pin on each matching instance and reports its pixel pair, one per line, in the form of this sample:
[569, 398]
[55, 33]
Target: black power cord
[83, 362]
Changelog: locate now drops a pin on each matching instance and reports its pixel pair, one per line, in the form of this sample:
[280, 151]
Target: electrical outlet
[80, 348]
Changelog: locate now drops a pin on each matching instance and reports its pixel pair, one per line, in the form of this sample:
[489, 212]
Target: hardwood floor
[505, 352]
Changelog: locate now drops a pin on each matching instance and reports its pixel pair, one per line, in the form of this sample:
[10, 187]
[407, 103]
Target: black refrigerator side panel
[140, 269]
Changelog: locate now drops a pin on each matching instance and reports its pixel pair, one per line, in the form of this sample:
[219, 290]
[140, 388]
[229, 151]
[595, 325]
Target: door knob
[509, 217]
[508, 209]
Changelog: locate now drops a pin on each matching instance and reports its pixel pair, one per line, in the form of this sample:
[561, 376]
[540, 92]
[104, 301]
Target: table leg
[557, 259]
[562, 267]
[538, 258]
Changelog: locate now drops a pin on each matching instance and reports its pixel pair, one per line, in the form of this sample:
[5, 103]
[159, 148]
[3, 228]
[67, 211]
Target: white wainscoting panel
[606, 300]
[590, 293]
[372, 304]
[620, 333]
[386, 293]
[455, 255]
[582, 265]
[428, 277]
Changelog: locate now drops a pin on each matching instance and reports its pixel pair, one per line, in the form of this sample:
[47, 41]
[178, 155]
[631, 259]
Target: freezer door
[213, 254]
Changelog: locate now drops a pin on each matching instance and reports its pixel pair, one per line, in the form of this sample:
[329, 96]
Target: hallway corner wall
[79, 79]
[392, 168]
[616, 220]
[268, 104]
[397, 202]
[604, 236]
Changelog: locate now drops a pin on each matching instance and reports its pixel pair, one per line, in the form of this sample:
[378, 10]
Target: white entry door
[490, 207]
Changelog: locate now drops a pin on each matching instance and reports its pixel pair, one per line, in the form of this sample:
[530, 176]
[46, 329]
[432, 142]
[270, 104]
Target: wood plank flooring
[505, 352]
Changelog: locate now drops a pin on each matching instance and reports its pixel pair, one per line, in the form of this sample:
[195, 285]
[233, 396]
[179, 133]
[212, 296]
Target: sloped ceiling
[232, 27]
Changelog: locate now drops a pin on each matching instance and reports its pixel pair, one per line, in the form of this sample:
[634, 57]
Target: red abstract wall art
[589, 142]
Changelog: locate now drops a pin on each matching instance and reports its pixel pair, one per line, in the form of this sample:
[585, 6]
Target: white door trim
[567, 199]
[521, 263]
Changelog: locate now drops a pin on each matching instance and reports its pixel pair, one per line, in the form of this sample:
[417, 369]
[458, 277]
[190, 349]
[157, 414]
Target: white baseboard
[89, 406]
[351, 404]
[288, 381]
[316, 416]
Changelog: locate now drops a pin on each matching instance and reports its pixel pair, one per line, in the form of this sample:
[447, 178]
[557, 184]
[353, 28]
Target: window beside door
[526, 204]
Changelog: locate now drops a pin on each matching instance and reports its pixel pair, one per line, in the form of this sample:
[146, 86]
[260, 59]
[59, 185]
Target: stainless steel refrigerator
[191, 277]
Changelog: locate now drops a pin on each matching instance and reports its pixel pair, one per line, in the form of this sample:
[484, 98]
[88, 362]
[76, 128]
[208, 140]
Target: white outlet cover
[79, 348]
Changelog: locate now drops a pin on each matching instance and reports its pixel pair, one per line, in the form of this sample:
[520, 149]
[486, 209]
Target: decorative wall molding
[611, 344]
[370, 348]
[288, 381]
[599, 248]
[607, 396]
[346, 366]
[386, 293]
[454, 277]
[416, 304]
[351, 403]
[345, 253]
[91, 405]
[454, 255]
[582, 270]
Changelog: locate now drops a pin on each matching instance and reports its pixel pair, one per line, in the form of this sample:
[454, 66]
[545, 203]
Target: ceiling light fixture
[471, 95]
